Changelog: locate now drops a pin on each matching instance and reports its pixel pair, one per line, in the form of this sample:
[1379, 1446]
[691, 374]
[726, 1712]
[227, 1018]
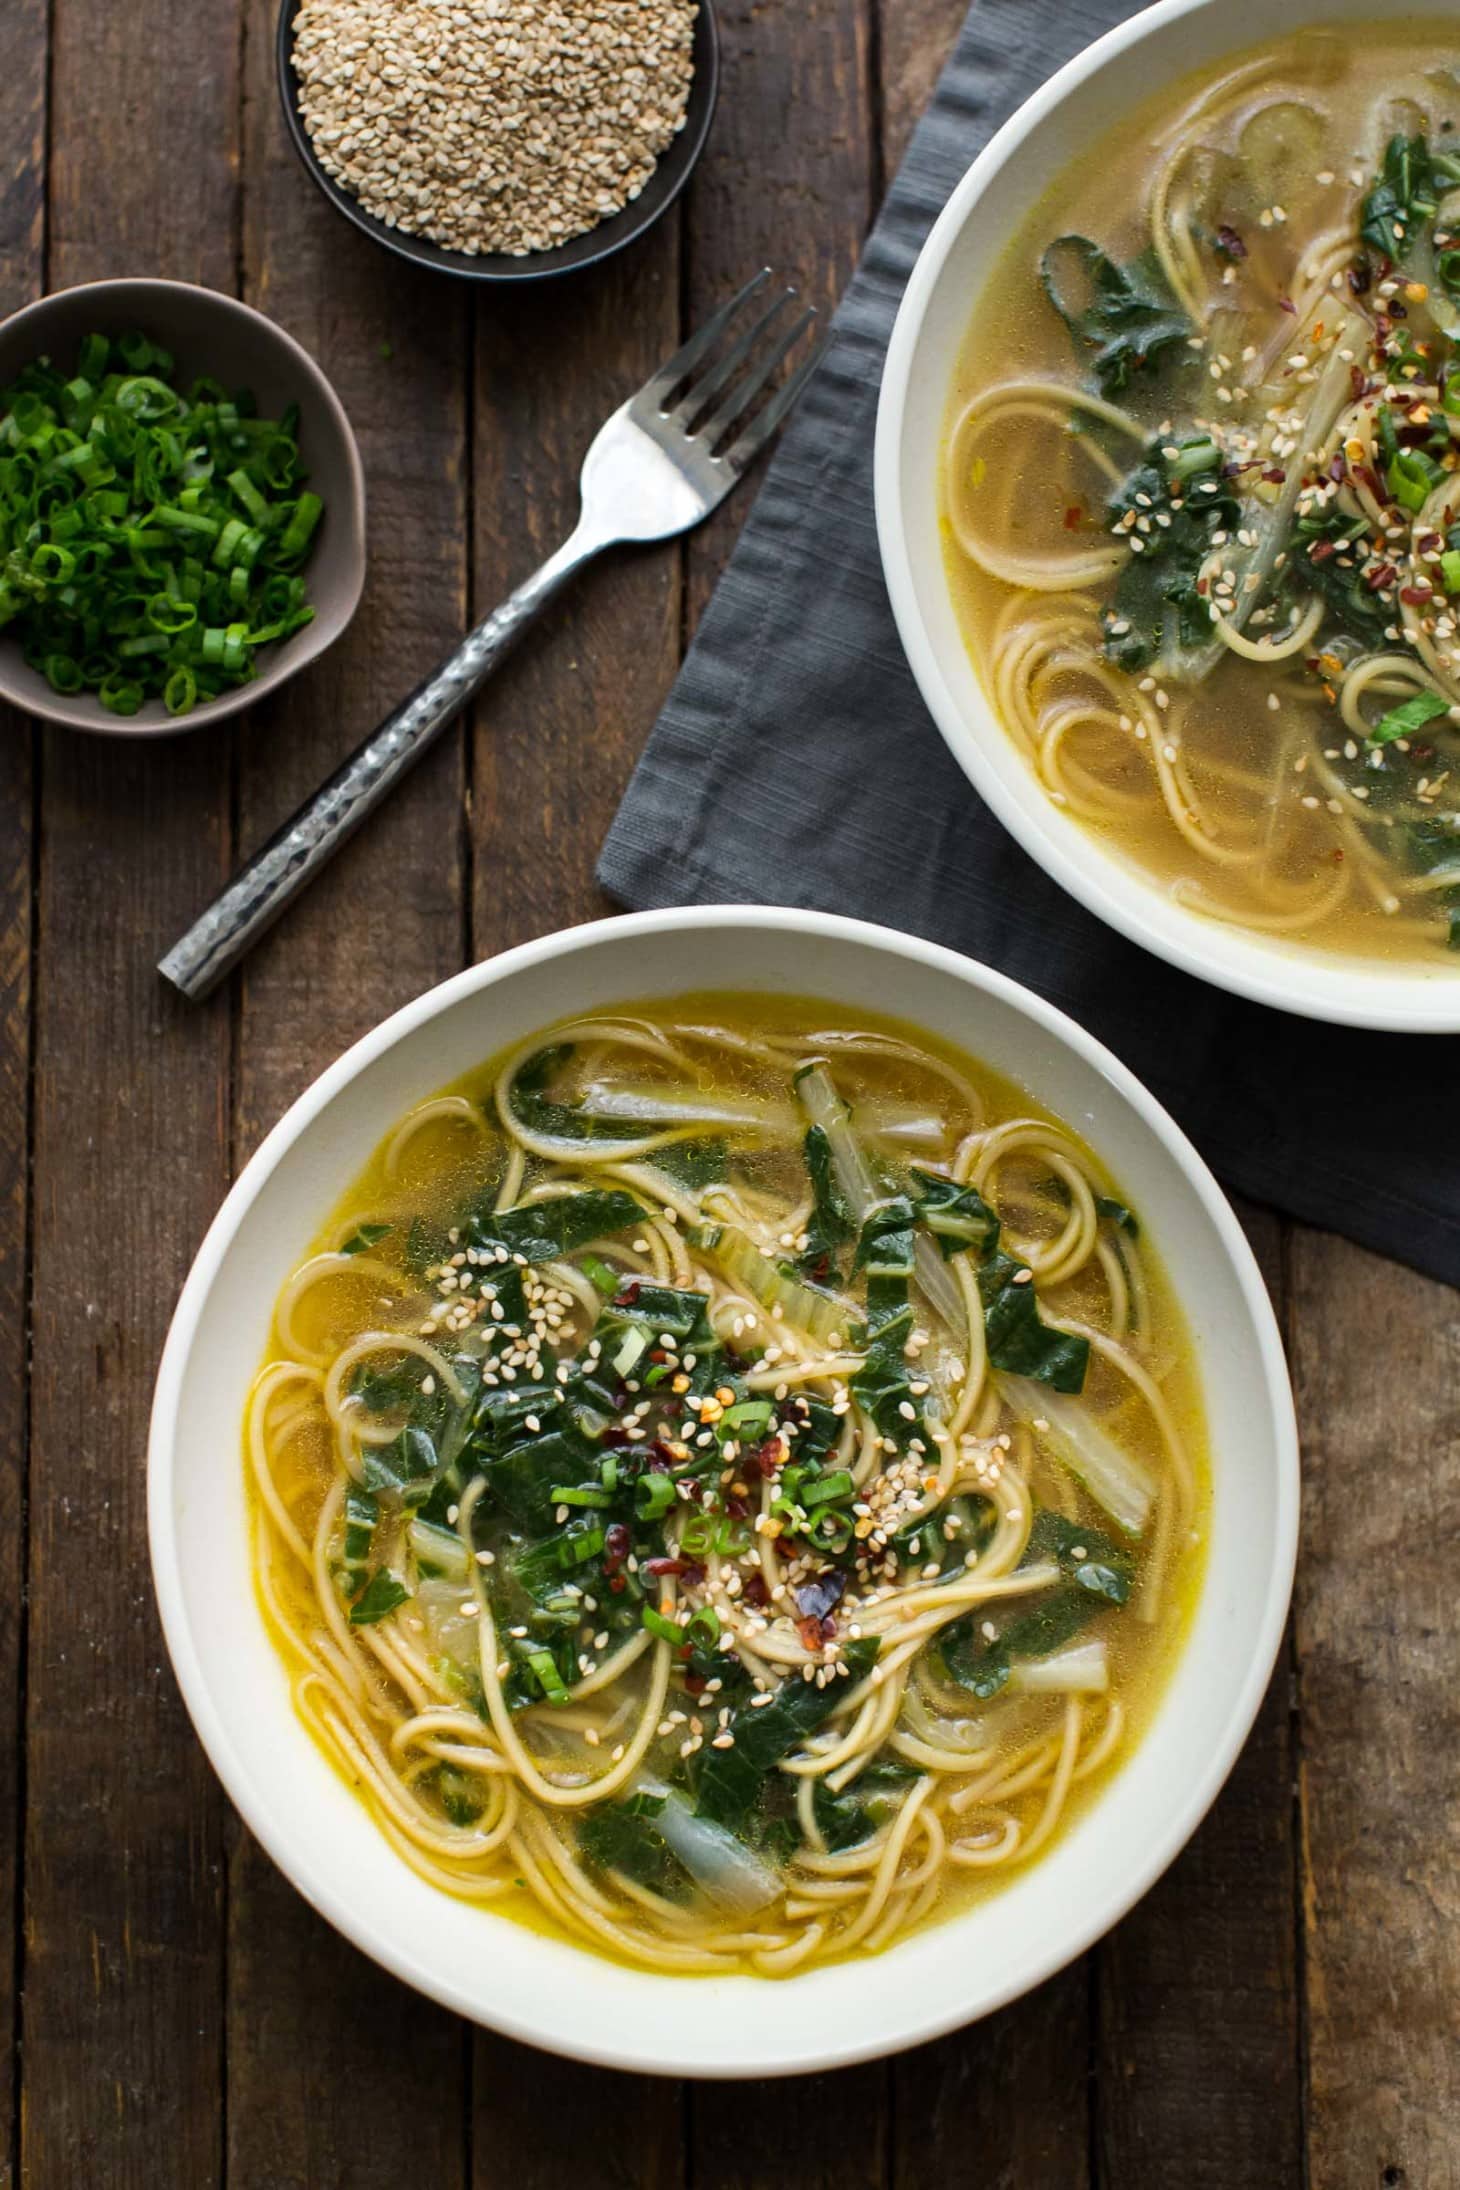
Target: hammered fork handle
[295, 853]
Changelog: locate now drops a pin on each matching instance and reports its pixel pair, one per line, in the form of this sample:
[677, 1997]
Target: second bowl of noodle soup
[1166, 470]
[730, 1484]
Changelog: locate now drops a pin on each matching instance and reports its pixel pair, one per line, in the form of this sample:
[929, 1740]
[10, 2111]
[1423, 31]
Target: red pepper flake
[1322, 550]
[755, 1592]
[683, 1570]
[694, 1684]
[616, 1439]
[1229, 243]
[1073, 515]
[1275, 475]
[1383, 574]
[1427, 543]
[1360, 277]
[661, 1459]
[1286, 304]
[764, 1461]
[628, 1295]
[1358, 381]
[616, 1545]
[809, 1631]
[1416, 596]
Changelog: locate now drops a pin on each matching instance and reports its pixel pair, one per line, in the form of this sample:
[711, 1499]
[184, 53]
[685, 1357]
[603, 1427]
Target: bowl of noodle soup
[1165, 481]
[456, 1318]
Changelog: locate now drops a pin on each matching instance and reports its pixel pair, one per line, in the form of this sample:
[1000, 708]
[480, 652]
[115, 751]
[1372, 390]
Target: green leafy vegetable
[1168, 510]
[406, 1465]
[1092, 1560]
[378, 1599]
[957, 1216]
[364, 1237]
[1409, 715]
[1328, 560]
[1405, 196]
[150, 539]
[845, 1820]
[622, 1837]
[1019, 1340]
[831, 1225]
[544, 1231]
[1116, 1213]
[730, 1781]
[1124, 318]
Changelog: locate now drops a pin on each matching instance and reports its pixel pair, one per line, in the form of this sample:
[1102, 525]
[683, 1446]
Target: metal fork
[661, 463]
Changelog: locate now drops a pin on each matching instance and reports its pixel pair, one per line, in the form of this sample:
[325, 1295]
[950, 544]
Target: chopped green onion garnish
[655, 1496]
[667, 1630]
[827, 1490]
[150, 536]
[1412, 476]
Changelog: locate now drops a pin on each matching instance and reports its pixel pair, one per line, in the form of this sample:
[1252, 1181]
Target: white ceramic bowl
[486, 1966]
[1076, 107]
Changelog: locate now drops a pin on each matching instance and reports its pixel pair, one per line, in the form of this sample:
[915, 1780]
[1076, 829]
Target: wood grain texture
[541, 2123]
[558, 730]
[327, 2056]
[1377, 1367]
[915, 38]
[122, 1962]
[22, 236]
[1003, 2105]
[1210, 1957]
[817, 2132]
[787, 182]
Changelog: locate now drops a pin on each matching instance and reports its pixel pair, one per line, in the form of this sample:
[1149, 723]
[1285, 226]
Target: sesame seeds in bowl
[503, 142]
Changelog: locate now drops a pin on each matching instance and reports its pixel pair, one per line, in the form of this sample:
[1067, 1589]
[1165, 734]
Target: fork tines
[706, 404]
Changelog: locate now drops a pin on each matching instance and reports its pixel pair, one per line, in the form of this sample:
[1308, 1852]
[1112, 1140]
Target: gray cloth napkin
[795, 764]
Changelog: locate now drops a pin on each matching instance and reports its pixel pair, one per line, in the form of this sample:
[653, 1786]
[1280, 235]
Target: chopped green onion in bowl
[152, 539]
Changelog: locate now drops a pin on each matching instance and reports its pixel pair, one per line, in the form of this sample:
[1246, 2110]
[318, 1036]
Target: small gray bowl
[215, 334]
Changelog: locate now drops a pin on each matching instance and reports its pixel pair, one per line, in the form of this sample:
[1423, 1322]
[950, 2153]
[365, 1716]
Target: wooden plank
[327, 2056]
[122, 1960]
[556, 736]
[915, 39]
[22, 206]
[1210, 1954]
[787, 181]
[1002, 2105]
[826, 2132]
[542, 2123]
[558, 731]
[1375, 1351]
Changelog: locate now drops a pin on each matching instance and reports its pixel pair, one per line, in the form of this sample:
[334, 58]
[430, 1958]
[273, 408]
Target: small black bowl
[676, 164]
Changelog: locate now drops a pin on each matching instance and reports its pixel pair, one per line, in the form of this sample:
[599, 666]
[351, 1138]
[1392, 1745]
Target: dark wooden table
[1284, 2008]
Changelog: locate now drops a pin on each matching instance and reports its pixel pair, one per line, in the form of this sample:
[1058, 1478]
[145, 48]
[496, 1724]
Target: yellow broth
[919, 1101]
[1250, 789]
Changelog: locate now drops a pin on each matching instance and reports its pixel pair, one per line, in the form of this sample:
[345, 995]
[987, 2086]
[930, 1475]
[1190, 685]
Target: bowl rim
[1331, 988]
[304, 646]
[499, 266]
[802, 926]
